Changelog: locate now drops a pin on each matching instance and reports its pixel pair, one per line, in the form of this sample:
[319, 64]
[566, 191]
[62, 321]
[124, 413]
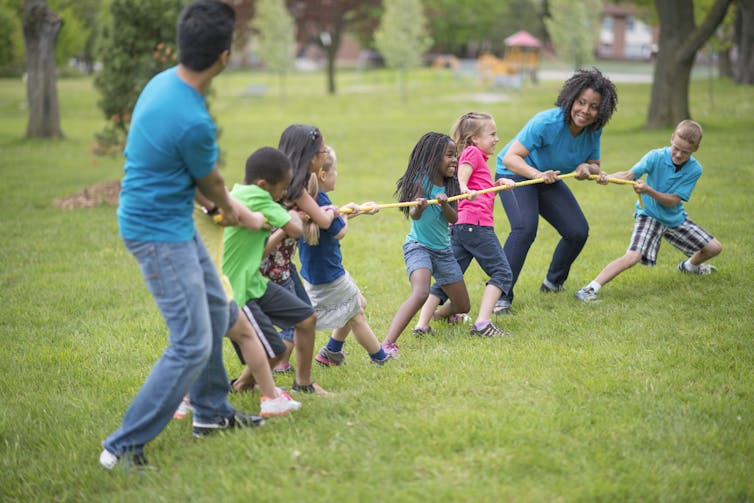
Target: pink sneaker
[283, 368]
[183, 409]
[278, 406]
[391, 349]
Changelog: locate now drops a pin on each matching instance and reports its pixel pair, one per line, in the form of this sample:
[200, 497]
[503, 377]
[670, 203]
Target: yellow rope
[496, 188]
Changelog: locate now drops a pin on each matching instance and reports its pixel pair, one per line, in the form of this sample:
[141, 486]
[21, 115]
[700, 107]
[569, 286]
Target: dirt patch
[92, 196]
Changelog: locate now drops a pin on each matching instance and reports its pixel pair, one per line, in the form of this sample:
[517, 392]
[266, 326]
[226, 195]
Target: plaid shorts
[687, 237]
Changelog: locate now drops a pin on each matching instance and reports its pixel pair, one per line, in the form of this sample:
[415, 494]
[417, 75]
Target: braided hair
[594, 80]
[423, 166]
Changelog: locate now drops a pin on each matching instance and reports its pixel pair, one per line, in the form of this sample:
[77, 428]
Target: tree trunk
[680, 39]
[724, 64]
[744, 73]
[41, 28]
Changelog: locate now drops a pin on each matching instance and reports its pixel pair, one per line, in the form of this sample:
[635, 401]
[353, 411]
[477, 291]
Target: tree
[325, 21]
[274, 25]
[574, 29]
[402, 37]
[744, 39]
[41, 27]
[680, 39]
[136, 42]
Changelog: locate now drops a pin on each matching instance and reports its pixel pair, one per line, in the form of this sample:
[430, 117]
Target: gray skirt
[335, 303]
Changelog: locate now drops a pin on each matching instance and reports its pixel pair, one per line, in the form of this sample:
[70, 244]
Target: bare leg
[617, 266]
[419, 292]
[303, 340]
[458, 296]
[711, 249]
[363, 333]
[428, 311]
[489, 297]
[257, 368]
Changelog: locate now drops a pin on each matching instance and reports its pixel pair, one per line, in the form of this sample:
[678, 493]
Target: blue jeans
[557, 205]
[481, 243]
[191, 299]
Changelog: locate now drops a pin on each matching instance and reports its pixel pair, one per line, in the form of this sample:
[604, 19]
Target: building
[623, 35]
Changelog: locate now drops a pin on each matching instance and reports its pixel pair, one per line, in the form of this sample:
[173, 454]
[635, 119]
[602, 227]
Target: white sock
[689, 266]
[594, 286]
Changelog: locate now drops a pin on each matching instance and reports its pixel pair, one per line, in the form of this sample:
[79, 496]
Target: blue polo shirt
[551, 146]
[323, 263]
[663, 176]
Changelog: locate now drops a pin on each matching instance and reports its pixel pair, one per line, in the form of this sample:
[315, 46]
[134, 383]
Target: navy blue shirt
[323, 263]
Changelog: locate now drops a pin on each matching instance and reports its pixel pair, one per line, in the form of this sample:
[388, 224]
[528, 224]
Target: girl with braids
[304, 145]
[431, 174]
[473, 235]
[335, 296]
[557, 141]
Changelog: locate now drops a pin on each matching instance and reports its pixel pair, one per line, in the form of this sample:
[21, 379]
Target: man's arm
[213, 187]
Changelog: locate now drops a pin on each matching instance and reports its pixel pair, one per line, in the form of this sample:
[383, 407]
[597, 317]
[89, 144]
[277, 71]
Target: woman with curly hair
[557, 141]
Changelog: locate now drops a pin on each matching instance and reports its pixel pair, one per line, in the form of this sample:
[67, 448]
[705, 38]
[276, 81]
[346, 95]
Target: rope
[497, 188]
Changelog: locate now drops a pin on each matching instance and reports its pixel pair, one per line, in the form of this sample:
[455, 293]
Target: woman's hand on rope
[549, 176]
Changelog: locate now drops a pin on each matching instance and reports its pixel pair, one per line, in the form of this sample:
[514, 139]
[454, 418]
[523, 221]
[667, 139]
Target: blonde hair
[689, 131]
[311, 229]
[466, 126]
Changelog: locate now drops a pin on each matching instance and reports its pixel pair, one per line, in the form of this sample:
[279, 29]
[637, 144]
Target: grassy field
[647, 395]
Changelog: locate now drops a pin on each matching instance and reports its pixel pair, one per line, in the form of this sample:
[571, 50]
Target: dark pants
[480, 243]
[557, 205]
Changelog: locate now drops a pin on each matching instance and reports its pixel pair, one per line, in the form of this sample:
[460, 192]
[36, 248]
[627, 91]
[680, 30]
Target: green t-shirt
[243, 247]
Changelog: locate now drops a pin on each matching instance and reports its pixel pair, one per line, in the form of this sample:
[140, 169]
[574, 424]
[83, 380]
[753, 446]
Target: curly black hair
[423, 165]
[594, 80]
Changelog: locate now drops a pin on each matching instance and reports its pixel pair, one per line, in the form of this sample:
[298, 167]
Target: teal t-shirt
[663, 176]
[551, 145]
[242, 247]
[171, 143]
[431, 230]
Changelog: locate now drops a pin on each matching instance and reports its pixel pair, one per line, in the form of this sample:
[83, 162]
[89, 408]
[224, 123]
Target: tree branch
[702, 33]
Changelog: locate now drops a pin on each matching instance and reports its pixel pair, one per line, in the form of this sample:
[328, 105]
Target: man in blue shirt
[672, 173]
[171, 150]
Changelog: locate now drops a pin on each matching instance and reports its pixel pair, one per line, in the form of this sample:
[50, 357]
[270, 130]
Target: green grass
[647, 395]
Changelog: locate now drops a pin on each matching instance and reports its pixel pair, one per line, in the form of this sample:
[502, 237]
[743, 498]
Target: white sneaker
[587, 294]
[107, 459]
[702, 270]
[279, 406]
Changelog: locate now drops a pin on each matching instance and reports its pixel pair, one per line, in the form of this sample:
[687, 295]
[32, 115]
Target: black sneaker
[235, 420]
[544, 288]
[489, 331]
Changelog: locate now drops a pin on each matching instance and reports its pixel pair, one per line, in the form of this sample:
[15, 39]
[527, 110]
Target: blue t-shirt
[551, 145]
[662, 176]
[323, 263]
[172, 141]
[431, 230]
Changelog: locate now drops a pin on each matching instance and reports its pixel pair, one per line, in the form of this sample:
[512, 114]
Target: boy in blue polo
[672, 173]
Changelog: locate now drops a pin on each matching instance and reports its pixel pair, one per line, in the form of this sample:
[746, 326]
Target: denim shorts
[441, 263]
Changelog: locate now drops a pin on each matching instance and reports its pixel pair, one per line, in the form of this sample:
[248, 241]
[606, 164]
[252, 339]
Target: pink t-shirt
[480, 211]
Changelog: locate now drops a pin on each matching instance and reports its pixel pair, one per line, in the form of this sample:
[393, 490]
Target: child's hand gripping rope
[373, 207]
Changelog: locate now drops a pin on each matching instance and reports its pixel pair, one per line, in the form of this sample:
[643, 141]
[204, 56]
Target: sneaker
[183, 409]
[313, 388]
[587, 294]
[422, 331]
[383, 361]
[108, 460]
[704, 269]
[502, 307]
[234, 420]
[279, 406]
[489, 331]
[546, 288]
[391, 349]
[330, 358]
[283, 368]
[458, 319]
